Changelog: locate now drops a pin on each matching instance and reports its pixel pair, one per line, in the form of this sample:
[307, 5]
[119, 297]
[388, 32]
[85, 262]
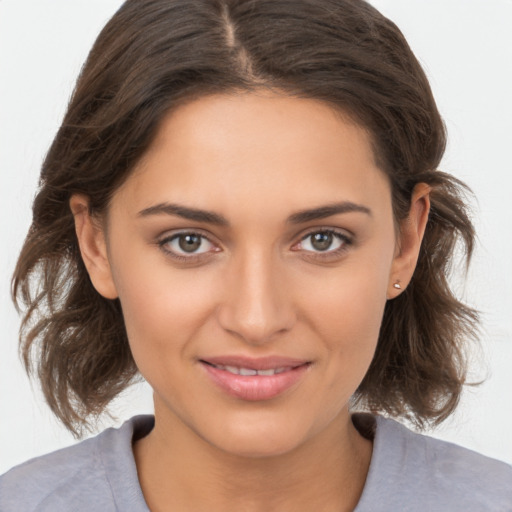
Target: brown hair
[154, 55]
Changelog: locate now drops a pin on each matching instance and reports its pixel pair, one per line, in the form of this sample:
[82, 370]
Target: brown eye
[324, 241]
[321, 241]
[189, 243]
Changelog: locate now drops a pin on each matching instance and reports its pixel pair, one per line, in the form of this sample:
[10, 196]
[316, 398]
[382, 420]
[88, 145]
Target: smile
[256, 380]
[249, 372]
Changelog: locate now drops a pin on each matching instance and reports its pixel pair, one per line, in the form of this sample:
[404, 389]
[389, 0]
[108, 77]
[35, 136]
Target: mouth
[255, 379]
[250, 372]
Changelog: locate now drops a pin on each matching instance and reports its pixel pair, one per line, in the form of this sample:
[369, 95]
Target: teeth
[271, 371]
[250, 372]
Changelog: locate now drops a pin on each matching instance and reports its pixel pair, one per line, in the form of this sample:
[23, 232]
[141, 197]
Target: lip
[257, 387]
[259, 363]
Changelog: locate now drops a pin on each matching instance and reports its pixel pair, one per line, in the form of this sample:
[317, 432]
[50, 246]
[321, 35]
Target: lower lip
[255, 387]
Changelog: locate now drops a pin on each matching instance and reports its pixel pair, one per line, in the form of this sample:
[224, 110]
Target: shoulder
[76, 478]
[416, 472]
[51, 481]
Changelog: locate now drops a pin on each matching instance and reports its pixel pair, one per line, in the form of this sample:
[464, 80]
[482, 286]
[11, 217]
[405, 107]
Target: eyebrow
[328, 210]
[209, 217]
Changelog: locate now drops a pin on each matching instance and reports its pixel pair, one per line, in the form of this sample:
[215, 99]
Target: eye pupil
[322, 241]
[189, 243]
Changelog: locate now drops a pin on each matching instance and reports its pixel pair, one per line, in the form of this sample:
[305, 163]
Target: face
[253, 251]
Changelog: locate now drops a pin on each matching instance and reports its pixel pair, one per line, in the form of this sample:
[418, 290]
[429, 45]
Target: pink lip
[257, 387]
[260, 363]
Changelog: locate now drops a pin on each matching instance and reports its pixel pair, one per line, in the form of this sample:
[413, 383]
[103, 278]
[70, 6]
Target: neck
[325, 473]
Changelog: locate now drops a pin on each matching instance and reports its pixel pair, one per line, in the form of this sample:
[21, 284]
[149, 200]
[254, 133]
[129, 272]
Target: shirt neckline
[117, 452]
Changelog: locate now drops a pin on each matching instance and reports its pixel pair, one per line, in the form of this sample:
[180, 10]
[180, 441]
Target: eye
[187, 245]
[324, 241]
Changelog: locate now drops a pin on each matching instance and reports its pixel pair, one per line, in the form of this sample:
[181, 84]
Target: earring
[397, 286]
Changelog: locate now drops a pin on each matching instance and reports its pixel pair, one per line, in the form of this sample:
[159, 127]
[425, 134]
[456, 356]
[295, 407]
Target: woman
[242, 204]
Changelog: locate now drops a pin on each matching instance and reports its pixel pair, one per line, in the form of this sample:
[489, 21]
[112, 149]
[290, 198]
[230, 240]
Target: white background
[466, 49]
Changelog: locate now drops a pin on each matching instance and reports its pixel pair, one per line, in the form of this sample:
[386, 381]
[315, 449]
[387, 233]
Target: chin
[259, 439]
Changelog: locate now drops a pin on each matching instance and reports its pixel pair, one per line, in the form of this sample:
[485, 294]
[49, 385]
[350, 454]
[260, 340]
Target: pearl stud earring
[397, 286]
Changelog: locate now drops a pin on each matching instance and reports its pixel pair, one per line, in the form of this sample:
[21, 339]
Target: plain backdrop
[465, 47]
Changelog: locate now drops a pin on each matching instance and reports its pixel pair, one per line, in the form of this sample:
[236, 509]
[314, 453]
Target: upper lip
[260, 363]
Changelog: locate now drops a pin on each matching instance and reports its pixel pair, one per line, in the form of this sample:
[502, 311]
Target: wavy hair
[154, 55]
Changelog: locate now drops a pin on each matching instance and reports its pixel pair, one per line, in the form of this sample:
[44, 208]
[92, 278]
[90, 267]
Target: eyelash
[344, 238]
[332, 254]
[187, 259]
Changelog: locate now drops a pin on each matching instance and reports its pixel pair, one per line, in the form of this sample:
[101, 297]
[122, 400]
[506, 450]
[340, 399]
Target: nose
[257, 305]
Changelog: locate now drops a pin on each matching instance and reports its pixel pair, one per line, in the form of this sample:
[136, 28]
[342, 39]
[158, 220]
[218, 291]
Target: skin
[259, 287]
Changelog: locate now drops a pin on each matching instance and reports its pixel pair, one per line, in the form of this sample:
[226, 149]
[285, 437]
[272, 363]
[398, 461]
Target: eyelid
[172, 235]
[346, 238]
[335, 231]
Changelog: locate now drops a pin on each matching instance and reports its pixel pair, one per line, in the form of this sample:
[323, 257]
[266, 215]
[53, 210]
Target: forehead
[256, 150]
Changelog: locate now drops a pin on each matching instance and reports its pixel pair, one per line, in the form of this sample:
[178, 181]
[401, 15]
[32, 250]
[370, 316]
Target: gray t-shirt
[408, 472]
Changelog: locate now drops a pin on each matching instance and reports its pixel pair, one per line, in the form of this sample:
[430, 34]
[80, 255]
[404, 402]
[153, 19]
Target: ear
[409, 239]
[93, 246]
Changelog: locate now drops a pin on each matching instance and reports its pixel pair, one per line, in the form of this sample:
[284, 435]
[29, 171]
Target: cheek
[352, 299]
[350, 323]
[162, 307]
[346, 312]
